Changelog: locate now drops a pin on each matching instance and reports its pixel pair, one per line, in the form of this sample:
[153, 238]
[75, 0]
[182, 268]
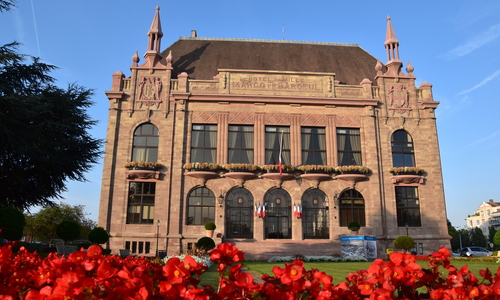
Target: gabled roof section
[201, 57]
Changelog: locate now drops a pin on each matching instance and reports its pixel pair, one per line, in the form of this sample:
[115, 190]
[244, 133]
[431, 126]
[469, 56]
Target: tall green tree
[46, 128]
[43, 224]
[477, 237]
[491, 234]
[455, 238]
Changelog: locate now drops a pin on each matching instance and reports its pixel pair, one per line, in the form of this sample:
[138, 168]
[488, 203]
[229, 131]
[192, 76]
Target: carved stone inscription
[276, 83]
[204, 87]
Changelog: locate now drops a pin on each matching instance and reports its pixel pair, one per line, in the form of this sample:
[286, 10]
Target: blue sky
[454, 45]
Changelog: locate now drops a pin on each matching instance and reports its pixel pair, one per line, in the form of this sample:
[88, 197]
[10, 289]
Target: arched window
[352, 208]
[201, 207]
[239, 214]
[315, 216]
[278, 223]
[402, 149]
[145, 147]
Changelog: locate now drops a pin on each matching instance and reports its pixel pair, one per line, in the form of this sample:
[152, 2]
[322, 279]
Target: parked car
[474, 252]
[456, 253]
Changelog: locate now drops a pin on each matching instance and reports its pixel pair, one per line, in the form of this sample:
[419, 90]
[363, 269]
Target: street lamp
[157, 235]
[406, 225]
[220, 199]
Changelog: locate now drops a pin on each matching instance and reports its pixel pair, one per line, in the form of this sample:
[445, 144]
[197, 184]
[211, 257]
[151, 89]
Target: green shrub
[210, 226]
[496, 238]
[98, 236]
[354, 226]
[12, 223]
[404, 242]
[205, 243]
[106, 251]
[68, 230]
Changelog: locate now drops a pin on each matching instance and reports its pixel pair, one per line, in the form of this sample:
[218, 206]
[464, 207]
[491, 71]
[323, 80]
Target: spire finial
[155, 33]
[391, 42]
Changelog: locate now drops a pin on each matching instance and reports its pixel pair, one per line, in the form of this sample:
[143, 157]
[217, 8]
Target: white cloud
[484, 38]
[486, 80]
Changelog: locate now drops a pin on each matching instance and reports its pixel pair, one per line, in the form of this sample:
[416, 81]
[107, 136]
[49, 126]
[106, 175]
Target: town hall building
[281, 144]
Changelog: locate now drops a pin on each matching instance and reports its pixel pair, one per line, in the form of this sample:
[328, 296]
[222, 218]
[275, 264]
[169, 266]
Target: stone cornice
[275, 99]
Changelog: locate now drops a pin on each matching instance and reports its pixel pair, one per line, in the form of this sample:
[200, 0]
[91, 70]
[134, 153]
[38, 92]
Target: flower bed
[91, 275]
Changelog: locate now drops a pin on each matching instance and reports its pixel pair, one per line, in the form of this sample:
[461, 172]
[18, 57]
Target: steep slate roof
[200, 58]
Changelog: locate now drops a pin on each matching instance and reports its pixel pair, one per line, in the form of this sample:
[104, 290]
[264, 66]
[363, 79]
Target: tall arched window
[315, 216]
[239, 214]
[278, 221]
[145, 147]
[402, 149]
[352, 208]
[201, 207]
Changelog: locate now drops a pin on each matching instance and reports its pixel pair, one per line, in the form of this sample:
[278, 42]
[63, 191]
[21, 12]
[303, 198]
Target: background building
[487, 215]
[234, 101]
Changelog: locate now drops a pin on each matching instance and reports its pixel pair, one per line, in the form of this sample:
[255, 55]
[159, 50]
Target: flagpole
[280, 162]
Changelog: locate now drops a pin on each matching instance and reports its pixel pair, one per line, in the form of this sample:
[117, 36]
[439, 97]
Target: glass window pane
[140, 141]
[152, 141]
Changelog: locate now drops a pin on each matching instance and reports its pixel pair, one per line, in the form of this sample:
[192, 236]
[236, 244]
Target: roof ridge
[267, 41]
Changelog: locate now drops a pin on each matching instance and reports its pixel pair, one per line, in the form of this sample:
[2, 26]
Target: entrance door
[315, 217]
[239, 214]
[278, 214]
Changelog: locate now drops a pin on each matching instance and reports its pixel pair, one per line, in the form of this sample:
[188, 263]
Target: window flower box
[142, 170]
[201, 171]
[273, 172]
[202, 167]
[241, 172]
[406, 171]
[316, 173]
[352, 174]
[143, 165]
[411, 176]
[352, 170]
[276, 168]
[316, 169]
[241, 168]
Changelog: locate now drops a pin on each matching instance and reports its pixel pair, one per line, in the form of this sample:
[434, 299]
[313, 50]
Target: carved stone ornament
[398, 99]
[142, 174]
[149, 90]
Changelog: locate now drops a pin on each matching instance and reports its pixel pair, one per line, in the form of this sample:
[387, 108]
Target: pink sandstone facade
[224, 101]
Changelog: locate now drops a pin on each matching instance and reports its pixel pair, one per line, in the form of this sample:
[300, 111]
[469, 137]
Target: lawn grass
[340, 270]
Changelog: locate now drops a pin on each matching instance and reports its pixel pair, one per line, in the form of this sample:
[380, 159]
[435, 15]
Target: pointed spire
[155, 33]
[391, 42]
